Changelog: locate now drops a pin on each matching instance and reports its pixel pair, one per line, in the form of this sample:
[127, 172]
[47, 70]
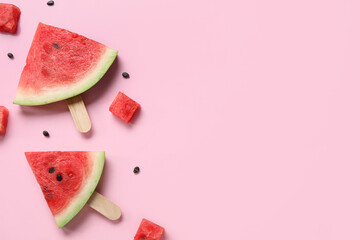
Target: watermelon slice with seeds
[60, 65]
[67, 179]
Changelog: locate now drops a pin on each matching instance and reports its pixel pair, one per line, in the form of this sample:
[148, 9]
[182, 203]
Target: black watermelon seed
[50, 3]
[10, 55]
[46, 133]
[136, 170]
[125, 75]
[59, 177]
[51, 170]
[56, 46]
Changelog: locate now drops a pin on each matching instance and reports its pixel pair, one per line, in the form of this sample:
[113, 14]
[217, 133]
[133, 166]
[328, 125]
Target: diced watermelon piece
[149, 231]
[4, 113]
[9, 16]
[124, 107]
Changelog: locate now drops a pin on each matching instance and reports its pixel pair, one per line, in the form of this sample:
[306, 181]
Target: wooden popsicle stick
[104, 206]
[79, 114]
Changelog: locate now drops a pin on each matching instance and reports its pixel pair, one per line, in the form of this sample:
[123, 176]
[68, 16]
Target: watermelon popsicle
[68, 181]
[61, 65]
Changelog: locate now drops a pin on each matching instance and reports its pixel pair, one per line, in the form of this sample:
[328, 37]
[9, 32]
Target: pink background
[249, 127]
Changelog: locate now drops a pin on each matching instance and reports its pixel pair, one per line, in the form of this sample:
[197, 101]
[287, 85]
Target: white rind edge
[62, 93]
[78, 201]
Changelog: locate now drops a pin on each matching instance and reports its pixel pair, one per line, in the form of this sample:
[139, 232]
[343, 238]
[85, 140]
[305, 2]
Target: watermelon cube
[124, 107]
[149, 231]
[9, 16]
[4, 113]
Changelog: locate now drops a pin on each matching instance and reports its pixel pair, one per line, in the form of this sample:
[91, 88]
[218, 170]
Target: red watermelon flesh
[149, 231]
[61, 64]
[124, 107]
[9, 16]
[4, 114]
[67, 179]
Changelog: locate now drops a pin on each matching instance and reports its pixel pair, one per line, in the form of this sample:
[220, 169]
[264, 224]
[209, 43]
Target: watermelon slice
[9, 16]
[67, 179]
[4, 113]
[124, 107]
[149, 231]
[60, 65]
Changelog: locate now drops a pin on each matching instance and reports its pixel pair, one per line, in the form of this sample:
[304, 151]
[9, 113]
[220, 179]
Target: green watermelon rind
[78, 202]
[30, 98]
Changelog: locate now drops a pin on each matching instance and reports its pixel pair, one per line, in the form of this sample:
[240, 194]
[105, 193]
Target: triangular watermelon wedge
[60, 65]
[67, 180]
